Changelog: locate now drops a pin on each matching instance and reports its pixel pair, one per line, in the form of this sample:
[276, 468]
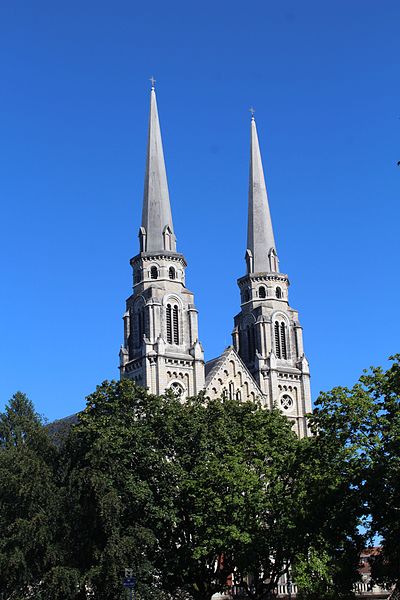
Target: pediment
[228, 375]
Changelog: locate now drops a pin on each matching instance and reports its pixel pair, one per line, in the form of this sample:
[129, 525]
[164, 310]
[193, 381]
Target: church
[162, 350]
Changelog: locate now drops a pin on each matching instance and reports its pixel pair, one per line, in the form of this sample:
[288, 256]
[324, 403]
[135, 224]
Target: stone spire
[157, 231]
[261, 254]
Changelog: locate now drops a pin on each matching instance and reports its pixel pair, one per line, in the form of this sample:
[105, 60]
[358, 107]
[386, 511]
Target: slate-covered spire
[261, 250]
[157, 231]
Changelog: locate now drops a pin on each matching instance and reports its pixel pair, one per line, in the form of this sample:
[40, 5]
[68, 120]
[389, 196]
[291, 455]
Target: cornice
[163, 254]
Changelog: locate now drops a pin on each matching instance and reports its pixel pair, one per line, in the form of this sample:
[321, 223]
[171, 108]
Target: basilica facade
[161, 349]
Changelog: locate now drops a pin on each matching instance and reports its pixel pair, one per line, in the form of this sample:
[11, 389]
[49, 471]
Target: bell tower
[267, 333]
[161, 348]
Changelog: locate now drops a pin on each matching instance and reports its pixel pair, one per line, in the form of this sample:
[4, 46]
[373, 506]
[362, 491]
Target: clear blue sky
[324, 79]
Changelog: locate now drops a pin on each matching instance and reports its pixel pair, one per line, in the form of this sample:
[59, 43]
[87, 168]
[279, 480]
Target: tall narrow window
[172, 274]
[231, 391]
[283, 340]
[278, 292]
[176, 325]
[277, 340]
[169, 324]
[262, 292]
[154, 273]
[140, 327]
[250, 342]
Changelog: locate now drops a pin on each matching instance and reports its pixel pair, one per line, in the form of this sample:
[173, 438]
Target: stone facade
[161, 347]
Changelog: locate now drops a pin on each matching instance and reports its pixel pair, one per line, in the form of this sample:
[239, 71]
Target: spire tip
[252, 111]
[153, 81]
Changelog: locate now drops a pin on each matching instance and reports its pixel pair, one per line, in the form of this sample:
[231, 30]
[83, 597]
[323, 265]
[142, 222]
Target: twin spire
[261, 250]
[157, 231]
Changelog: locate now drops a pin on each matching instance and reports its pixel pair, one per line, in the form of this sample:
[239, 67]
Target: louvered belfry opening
[280, 340]
[169, 324]
[176, 325]
[283, 340]
[173, 324]
[277, 340]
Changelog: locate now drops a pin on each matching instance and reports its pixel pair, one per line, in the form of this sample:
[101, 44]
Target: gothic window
[169, 324]
[278, 292]
[231, 391]
[283, 341]
[176, 325]
[154, 273]
[280, 340]
[277, 340]
[262, 292]
[172, 273]
[173, 336]
[286, 402]
[238, 395]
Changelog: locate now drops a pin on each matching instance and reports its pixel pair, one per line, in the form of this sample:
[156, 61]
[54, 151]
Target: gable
[228, 375]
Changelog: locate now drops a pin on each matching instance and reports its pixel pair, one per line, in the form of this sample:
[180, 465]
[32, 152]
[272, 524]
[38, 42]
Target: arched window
[238, 395]
[283, 341]
[169, 324]
[280, 340]
[176, 325]
[277, 340]
[261, 292]
[278, 292]
[154, 273]
[172, 273]
[231, 391]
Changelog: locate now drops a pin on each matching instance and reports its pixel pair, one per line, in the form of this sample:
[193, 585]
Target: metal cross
[251, 109]
[152, 82]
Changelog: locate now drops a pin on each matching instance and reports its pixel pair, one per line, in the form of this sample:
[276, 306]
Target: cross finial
[251, 109]
[152, 82]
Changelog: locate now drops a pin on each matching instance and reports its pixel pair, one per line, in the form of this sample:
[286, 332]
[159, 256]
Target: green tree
[336, 463]
[384, 476]
[232, 504]
[111, 472]
[29, 519]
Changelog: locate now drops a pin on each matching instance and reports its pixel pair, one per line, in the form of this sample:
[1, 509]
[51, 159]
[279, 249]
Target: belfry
[161, 349]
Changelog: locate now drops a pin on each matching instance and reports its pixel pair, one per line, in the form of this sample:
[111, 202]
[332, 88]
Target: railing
[362, 588]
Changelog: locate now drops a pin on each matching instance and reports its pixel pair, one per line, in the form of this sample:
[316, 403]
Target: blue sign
[129, 582]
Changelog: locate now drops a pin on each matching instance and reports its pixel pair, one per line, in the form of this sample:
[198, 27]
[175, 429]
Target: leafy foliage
[195, 495]
[28, 500]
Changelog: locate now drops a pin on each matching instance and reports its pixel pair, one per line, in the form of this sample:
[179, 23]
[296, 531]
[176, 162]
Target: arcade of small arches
[262, 293]
[154, 273]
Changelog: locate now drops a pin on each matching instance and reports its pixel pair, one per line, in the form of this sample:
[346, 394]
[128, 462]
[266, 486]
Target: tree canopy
[198, 495]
